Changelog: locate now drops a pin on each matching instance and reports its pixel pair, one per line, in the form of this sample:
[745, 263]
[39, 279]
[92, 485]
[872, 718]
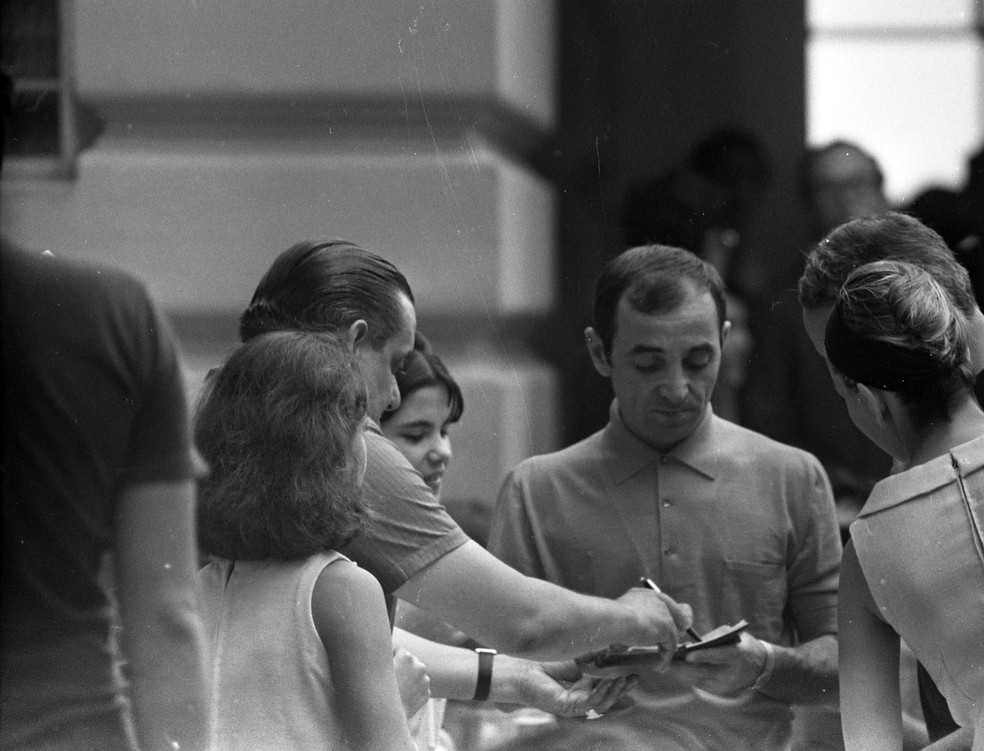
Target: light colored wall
[201, 222]
[449, 49]
[233, 130]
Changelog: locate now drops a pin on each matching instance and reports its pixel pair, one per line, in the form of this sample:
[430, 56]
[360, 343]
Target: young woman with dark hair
[430, 402]
[300, 640]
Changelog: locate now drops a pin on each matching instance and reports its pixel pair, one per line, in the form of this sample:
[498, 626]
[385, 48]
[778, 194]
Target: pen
[652, 585]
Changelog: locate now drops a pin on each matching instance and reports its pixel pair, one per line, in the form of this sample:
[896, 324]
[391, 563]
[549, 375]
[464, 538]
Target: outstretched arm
[161, 638]
[559, 688]
[498, 606]
[350, 615]
[871, 708]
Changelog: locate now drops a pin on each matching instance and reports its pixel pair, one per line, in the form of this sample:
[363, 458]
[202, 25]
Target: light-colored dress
[919, 541]
[273, 685]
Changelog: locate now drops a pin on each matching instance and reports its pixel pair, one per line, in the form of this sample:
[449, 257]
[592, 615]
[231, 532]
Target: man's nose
[394, 395]
[674, 388]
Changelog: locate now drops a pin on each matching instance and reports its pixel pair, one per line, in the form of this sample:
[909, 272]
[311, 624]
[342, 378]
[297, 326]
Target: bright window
[42, 136]
[902, 78]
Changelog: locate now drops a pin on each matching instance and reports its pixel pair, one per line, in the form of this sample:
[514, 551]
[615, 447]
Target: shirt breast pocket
[758, 592]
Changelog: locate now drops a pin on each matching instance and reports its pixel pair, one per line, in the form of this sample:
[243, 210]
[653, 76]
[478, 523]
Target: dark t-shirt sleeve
[160, 447]
[408, 529]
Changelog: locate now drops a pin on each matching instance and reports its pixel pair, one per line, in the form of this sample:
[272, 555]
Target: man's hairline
[370, 339]
[721, 324]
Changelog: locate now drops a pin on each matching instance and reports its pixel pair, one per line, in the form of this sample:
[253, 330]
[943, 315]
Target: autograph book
[719, 637]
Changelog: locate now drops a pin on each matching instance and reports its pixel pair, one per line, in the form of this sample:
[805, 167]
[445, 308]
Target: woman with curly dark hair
[301, 650]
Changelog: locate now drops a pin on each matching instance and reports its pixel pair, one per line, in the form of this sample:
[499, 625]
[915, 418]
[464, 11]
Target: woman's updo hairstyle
[895, 328]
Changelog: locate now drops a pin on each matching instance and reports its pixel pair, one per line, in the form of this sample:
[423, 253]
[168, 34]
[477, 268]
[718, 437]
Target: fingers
[667, 648]
[725, 655]
[412, 681]
[598, 694]
[681, 613]
[610, 690]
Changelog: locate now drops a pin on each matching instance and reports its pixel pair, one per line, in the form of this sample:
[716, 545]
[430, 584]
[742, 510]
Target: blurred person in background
[98, 475]
[707, 205]
[958, 215]
[787, 394]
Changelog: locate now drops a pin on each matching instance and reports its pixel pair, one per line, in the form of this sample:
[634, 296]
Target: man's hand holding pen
[662, 620]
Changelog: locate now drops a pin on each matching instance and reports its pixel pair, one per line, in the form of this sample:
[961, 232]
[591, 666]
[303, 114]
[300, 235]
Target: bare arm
[498, 606]
[871, 707]
[350, 616]
[558, 688]
[162, 638]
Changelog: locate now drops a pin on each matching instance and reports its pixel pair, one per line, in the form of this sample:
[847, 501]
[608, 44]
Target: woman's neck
[966, 423]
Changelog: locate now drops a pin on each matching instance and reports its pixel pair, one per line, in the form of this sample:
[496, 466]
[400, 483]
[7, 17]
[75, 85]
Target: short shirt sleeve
[160, 447]
[407, 529]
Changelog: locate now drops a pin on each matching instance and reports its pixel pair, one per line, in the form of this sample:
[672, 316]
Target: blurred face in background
[844, 186]
[419, 428]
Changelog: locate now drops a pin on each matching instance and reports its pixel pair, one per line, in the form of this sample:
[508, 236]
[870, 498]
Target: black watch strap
[484, 683]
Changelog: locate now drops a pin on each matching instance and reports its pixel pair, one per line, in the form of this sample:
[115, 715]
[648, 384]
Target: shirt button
[667, 504]
[669, 551]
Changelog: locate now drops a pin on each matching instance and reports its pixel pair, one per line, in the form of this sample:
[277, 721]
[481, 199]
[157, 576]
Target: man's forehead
[404, 336]
[693, 301]
[840, 166]
[694, 318]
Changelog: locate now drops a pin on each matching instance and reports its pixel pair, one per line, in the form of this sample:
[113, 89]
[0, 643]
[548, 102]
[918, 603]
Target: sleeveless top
[920, 542]
[273, 687]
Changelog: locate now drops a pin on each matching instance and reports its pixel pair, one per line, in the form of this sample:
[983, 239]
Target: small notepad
[719, 637]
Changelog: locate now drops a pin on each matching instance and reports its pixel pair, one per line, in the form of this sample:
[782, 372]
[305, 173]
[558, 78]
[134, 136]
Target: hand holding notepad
[720, 637]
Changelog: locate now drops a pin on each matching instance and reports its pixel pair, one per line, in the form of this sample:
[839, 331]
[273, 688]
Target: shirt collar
[629, 455]
[925, 478]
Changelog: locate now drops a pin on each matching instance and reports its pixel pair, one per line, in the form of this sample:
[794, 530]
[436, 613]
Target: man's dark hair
[892, 236]
[653, 279]
[327, 285]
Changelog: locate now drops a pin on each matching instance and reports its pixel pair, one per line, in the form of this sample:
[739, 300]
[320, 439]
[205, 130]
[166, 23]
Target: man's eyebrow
[645, 349]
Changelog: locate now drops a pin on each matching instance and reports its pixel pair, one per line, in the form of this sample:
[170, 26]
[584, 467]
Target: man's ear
[725, 328]
[596, 349]
[357, 333]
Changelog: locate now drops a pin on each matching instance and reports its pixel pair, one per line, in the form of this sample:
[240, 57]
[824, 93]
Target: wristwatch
[484, 683]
